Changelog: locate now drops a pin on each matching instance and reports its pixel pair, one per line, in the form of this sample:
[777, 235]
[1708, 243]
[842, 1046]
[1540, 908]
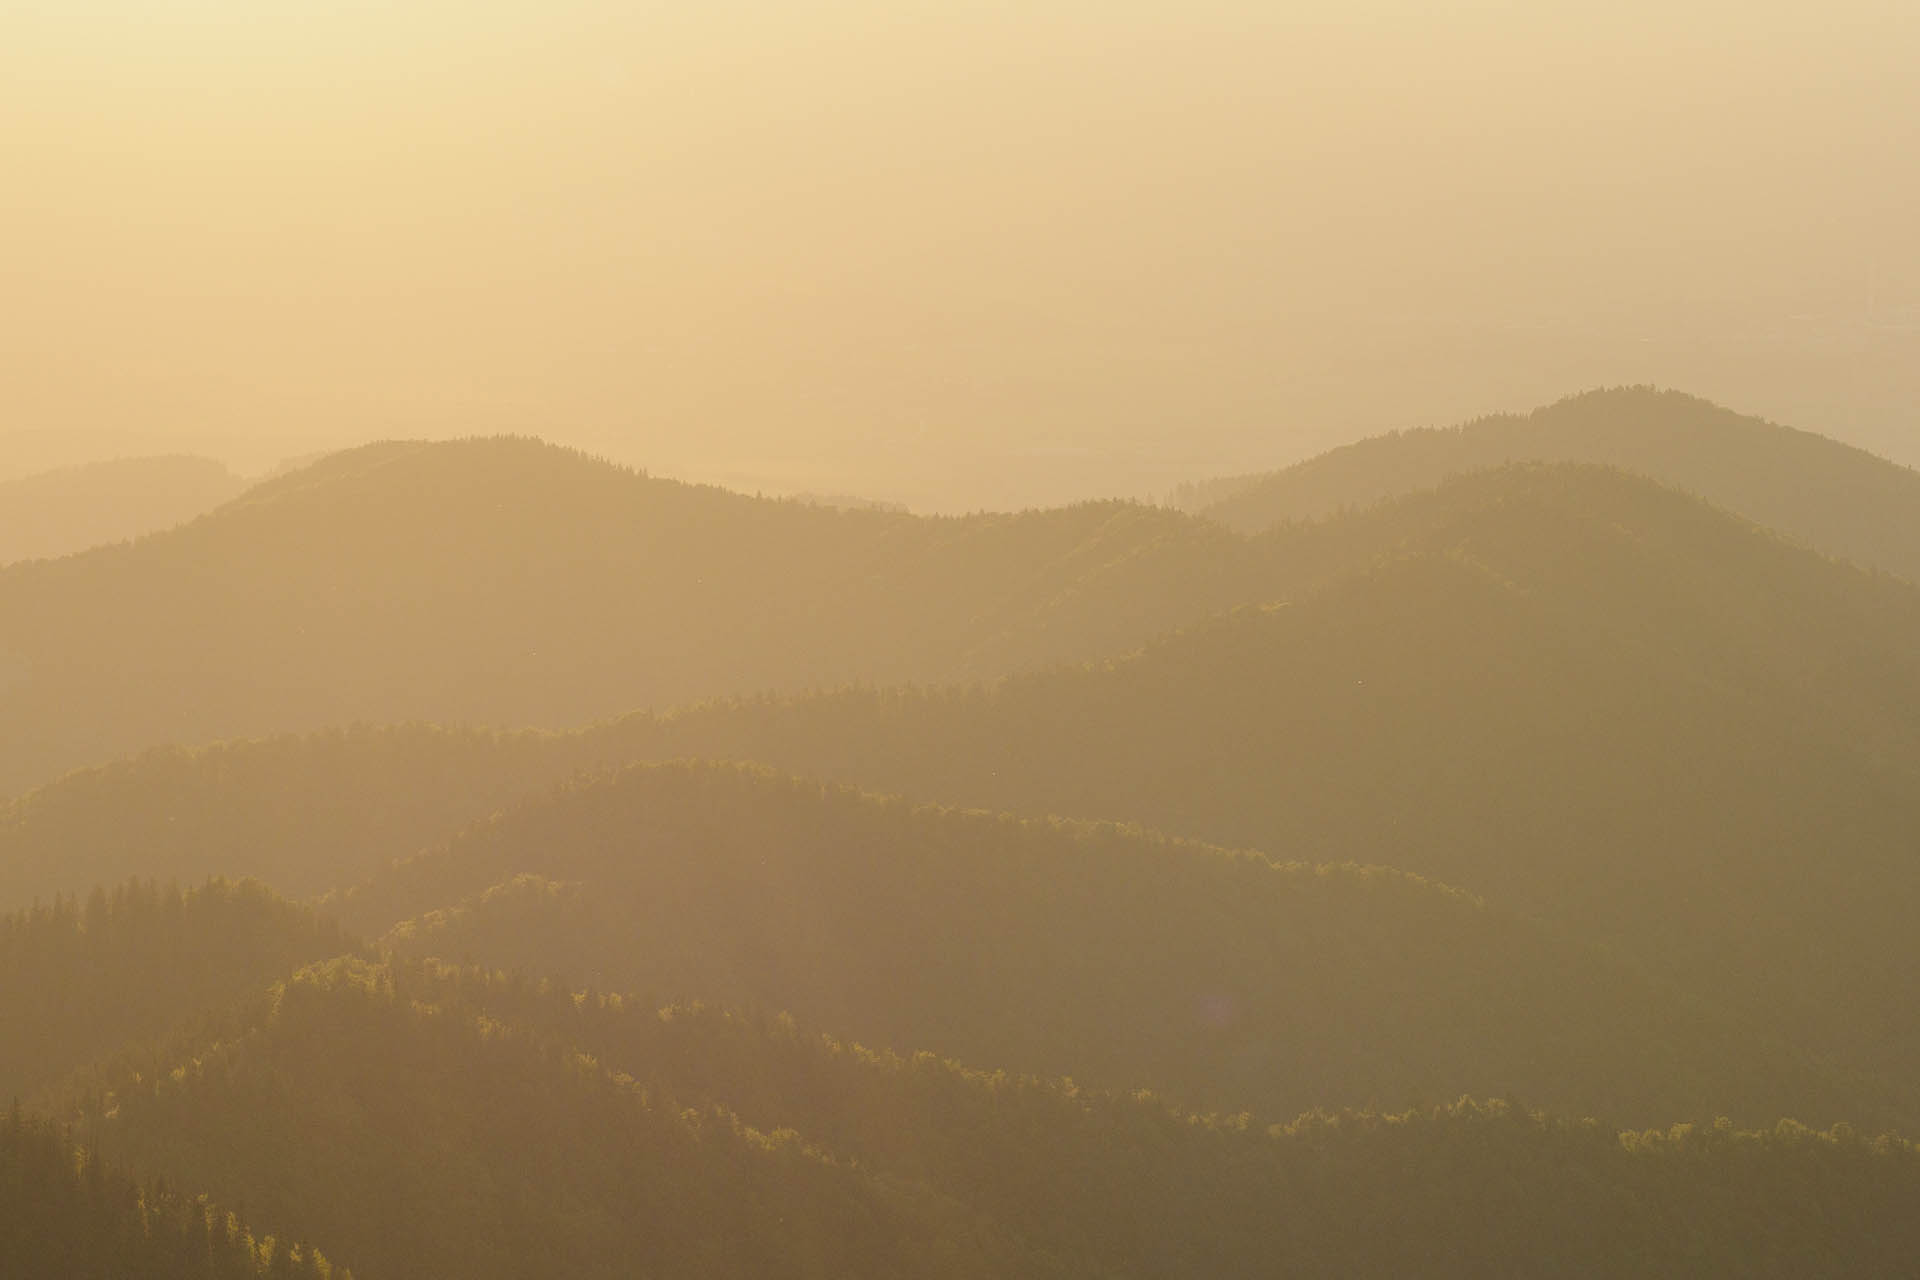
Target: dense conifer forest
[436, 1121]
[78, 980]
[1088, 951]
[64, 1212]
[1654, 725]
[444, 1121]
[478, 859]
[770, 641]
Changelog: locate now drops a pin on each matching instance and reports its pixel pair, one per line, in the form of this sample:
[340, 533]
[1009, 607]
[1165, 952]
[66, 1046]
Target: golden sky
[956, 253]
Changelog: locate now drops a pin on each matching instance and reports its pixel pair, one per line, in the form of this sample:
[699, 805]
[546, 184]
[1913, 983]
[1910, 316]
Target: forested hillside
[1585, 698]
[56, 513]
[305, 814]
[509, 583]
[419, 1139]
[80, 981]
[1572, 693]
[64, 1213]
[434, 851]
[439, 1122]
[321, 812]
[1824, 494]
[1546, 784]
[1089, 952]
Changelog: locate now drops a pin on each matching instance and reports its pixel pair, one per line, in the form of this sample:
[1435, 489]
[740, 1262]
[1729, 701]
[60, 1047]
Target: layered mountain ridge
[696, 884]
[1827, 495]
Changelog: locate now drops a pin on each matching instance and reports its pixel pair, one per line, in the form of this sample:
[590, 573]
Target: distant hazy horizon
[952, 255]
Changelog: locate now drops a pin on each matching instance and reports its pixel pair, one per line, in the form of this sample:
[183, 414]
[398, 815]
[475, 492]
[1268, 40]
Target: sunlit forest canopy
[1092, 952]
[65, 1212]
[81, 979]
[426, 1121]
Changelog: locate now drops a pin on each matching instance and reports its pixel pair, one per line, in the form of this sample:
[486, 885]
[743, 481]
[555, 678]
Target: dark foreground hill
[436, 1122]
[64, 1213]
[79, 981]
[57, 513]
[421, 1138]
[1122, 960]
[1823, 494]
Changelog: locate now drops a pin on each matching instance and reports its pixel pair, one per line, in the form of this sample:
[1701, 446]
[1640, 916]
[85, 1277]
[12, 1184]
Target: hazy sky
[953, 253]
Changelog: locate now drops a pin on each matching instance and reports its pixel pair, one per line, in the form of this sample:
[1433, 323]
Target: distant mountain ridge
[58, 513]
[1577, 695]
[235, 808]
[511, 583]
[1564, 689]
[1824, 494]
[507, 583]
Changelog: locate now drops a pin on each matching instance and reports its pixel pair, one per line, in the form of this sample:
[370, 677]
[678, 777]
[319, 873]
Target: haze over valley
[958, 256]
[1118, 641]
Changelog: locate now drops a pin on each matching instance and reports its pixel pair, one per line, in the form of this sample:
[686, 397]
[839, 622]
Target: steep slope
[324, 811]
[1118, 959]
[1571, 692]
[509, 583]
[447, 1123]
[1583, 697]
[63, 1213]
[57, 513]
[1822, 493]
[80, 982]
[420, 1139]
